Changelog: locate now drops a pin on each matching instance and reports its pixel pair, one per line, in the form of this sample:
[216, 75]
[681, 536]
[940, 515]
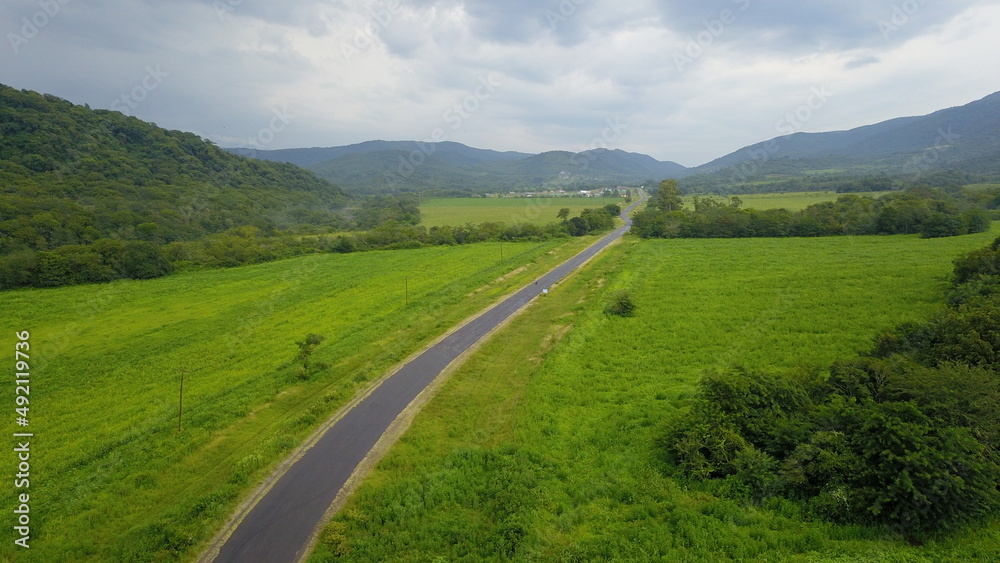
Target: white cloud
[353, 70]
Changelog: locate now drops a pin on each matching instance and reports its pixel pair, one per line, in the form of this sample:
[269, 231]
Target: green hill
[70, 175]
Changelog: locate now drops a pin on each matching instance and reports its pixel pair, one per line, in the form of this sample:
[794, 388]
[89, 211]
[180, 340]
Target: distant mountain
[455, 153]
[600, 165]
[965, 137]
[381, 166]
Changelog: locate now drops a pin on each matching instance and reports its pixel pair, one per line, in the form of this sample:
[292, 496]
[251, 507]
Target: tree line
[110, 259]
[927, 211]
[906, 436]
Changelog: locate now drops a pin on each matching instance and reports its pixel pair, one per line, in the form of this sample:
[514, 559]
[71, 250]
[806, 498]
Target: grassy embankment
[536, 211]
[542, 446]
[113, 479]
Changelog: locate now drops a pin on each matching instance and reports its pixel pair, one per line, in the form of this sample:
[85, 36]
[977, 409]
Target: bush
[943, 225]
[917, 478]
[756, 470]
[144, 261]
[916, 455]
[620, 304]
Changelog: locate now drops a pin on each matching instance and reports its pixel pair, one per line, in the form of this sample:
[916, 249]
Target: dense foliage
[91, 195]
[932, 213]
[907, 436]
[110, 259]
[71, 175]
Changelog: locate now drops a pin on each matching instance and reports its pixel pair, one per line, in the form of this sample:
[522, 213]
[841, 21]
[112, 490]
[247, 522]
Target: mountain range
[965, 138]
[379, 166]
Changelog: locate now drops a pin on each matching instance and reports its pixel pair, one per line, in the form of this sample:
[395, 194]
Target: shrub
[144, 261]
[620, 304]
[915, 477]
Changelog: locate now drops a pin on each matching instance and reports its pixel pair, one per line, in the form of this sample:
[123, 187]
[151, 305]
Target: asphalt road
[278, 527]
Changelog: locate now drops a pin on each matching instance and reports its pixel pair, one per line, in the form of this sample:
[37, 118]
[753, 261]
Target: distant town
[620, 191]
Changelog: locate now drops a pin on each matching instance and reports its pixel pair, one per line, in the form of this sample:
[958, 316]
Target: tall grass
[112, 477]
[542, 446]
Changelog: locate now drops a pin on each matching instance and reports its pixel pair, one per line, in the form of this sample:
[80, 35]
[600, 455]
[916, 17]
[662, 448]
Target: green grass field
[536, 211]
[542, 446]
[112, 479]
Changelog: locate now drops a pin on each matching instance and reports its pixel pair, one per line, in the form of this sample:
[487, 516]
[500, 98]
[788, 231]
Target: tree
[977, 220]
[306, 347]
[577, 227]
[668, 198]
[563, 214]
[649, 223]
[943, 225]
[17, 268]
[597, 220]
[143, 261]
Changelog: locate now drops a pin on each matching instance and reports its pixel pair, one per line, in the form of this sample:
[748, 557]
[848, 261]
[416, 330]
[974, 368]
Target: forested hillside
[72, 175]
[96, 185]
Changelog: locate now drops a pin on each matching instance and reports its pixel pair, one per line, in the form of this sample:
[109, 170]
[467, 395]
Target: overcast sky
[682, 81]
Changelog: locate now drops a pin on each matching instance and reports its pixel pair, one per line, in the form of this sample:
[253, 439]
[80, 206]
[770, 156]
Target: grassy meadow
[112, 478]
[543, 445]
[537, 211]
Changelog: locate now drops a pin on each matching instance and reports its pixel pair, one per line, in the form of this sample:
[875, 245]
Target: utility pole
[180, 403]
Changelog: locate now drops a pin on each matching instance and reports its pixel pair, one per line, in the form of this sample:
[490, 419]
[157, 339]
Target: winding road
[277, 527]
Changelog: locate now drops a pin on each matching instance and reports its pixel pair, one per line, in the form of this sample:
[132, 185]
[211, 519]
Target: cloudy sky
[681, 81]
